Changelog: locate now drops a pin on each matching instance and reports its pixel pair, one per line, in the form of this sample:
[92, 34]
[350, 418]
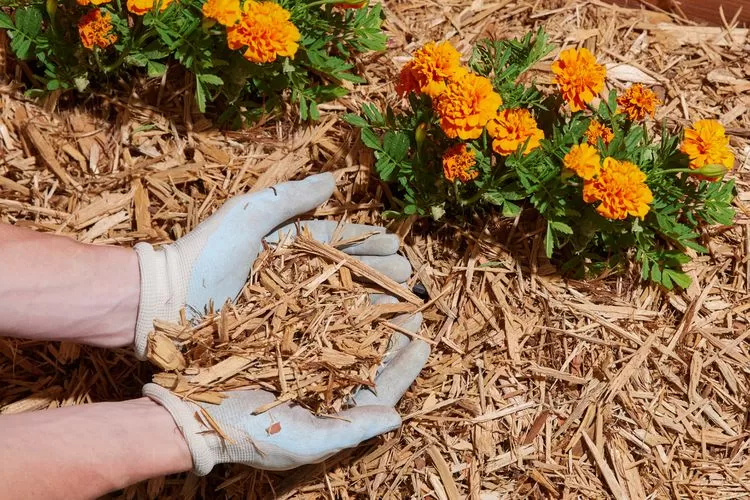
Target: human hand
[211, 264]
[288, 436]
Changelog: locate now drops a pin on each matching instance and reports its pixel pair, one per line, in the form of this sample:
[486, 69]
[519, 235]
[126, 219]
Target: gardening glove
[288, 436]
[211, 264]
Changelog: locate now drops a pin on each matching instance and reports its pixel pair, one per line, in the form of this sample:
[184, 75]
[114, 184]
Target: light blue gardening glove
[288, 435]
[211, 264]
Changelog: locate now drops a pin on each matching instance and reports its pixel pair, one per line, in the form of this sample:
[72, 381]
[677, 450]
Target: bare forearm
[87, 451]
[53, 288]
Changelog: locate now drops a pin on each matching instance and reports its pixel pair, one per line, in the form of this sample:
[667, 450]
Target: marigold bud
[713, 171]
[420, 134]
[52, 8]
[208, 23]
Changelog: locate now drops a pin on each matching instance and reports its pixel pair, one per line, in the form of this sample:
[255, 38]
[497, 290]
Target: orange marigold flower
[466, 106]
[584, 160]
[598, 131]
[140, 7]
[621, 188]
[226, 12]
[579, 77]
[511, 128]
[92, 2]
[638, 101]
[266, 31]
[458, 163]
[430, 70]
[707, 144]
[96, 29]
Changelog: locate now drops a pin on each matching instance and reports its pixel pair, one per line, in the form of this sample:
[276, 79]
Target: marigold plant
[612, 186]
[248, 57]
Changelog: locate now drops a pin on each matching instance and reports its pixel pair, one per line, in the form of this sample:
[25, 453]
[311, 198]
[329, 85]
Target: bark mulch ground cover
[537, 385]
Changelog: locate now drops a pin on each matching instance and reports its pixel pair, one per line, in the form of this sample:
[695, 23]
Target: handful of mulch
[303, 328]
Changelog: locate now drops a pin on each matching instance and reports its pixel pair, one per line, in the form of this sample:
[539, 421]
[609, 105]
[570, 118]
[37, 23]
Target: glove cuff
[186, 417]
[154, 296]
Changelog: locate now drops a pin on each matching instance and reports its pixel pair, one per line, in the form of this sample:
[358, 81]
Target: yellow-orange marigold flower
[579, 77]
[511, 128]
[226, 12]
[466, 106]
[266, 31]
[458, 163]
[584, 160]
[140, 7]
[638, 101]
[92, 2]
[707, 144]
[95, 29]
[621, 188]
[598, 131]
[430, 70]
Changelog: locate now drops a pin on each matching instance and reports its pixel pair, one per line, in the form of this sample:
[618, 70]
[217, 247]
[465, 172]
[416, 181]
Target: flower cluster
[458, 163]
[579, 155]
[707, 144]
[250, 57]
[466, 103]
[579, 77]
[95, 29]
[226, 12]
[621, 188]
[512, 129]
[637, 102]
[430, 70]
[265, 31]
[598, 131]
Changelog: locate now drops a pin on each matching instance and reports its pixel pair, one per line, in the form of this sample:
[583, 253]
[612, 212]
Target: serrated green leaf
[6, 22]
[29, 21]
[561, 226]
[678, 277]
[355, 120]
[370, 139]
[510, 209]
[396, 145]
[549, 242]
[210, 79]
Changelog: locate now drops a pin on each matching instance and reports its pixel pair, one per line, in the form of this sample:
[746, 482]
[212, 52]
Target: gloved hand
[289, 436]
[211, 264]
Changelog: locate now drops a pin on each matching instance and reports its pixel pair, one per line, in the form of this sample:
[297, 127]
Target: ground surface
[537, 386]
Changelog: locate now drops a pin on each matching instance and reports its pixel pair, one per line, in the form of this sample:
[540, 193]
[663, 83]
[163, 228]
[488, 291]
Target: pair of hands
[211, 265]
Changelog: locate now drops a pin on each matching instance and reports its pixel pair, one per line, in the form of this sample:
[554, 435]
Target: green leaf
[155, 69]
[303, 114]
[21, 46]
[210, 79]
[656, 274]
[355, 120]
[29, 21]
[370, 139]
[314, 111]
[561, 226]
[396, 145]
[680, 279]
[549, 242]
[510, 209]
[6, 22]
